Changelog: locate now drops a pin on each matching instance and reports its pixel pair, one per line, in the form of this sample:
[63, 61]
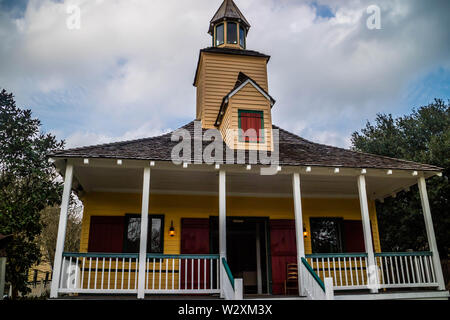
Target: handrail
[100, 255]
[404, 254]
[315, 276]
[337, 255]
[182, 256]
[228, 271]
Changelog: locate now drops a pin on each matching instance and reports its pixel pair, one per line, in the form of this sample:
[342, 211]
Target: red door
[194, 240]
[283, 250]
[106, 234]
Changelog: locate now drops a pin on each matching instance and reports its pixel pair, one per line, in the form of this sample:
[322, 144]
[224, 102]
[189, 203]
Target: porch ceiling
[244, 183]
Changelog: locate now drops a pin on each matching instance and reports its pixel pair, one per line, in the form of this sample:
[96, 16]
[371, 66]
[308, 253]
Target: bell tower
[229, 27]
[231, 82]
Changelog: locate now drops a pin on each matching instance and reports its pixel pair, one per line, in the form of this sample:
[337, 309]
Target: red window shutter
[106, 234]
[251, 120]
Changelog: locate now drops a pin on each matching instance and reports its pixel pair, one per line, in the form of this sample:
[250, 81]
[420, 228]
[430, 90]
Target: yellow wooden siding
[176, 207]
[217, 76]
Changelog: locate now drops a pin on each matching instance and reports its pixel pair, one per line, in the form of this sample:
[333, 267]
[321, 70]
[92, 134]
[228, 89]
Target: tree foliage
[49, 234]
[423, 136]
[28, 184]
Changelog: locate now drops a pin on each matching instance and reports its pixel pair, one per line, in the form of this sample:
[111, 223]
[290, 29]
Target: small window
[242, 37]
[326, 235]
[132, 234]
[251, 124]
[220, 35]
[232, 33]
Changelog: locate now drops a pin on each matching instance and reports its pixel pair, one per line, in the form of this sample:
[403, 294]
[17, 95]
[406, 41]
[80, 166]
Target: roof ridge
[355, 151]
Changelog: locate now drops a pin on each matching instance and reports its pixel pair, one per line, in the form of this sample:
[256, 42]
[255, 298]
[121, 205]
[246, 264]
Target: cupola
[229, 27]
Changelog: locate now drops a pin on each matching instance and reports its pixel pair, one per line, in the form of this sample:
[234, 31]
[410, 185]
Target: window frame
[240, 38]
[237, 32]
[340, 231]
[150, 217]
[215, 34]
[241, 137]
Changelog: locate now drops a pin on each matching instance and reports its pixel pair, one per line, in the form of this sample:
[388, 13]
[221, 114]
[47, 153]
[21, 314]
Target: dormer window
[242, 37]
[220, 35]
[232, 36]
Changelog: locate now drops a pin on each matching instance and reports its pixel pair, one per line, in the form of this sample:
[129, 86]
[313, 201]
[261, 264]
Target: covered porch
[254, 227]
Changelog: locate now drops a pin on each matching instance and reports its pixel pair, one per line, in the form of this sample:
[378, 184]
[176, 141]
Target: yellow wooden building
[250, 210]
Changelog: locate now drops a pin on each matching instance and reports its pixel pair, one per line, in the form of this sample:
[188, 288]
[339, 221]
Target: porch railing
[348, 271]
[104, 273]
[99, 273]
[394, 270]
[190, 274]
[406, 269]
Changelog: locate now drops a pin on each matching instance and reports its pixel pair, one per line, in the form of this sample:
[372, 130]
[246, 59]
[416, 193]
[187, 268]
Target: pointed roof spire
[228, 11]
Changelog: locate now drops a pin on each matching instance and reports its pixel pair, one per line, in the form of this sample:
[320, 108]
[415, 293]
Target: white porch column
[430, 232]
[61, 230]
[144, 233]
[298, 227]
[222, 224]
[372, 270]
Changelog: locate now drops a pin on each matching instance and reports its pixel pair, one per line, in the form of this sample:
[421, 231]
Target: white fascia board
[254, 85]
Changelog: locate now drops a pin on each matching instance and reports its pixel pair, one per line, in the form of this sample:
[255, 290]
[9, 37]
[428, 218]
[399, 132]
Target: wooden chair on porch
[291, 282]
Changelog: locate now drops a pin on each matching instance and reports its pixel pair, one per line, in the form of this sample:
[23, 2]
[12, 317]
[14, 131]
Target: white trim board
[424, 295]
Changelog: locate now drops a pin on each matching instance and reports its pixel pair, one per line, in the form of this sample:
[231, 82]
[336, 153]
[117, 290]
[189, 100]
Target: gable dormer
[231, 80]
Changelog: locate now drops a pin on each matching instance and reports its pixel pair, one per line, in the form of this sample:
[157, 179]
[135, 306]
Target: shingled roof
[228, 10]
[293, 151]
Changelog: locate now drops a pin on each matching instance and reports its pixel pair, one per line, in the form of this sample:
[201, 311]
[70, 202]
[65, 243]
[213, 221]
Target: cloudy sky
[128, 71]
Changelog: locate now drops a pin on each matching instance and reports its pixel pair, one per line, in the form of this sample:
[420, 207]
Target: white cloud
[132, 63]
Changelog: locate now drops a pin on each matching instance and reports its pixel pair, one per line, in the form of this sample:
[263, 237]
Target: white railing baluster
[211, 273]
[401, 268]
[392, 269]
[75, 285]
[153, 274]
[334, 272]
[103, 272]
[147, 273]
[89, 273]
[424, 280]
[407, 270]
[185, 274]
[432, 269]
[122, 271]
[340, 273]
[427, 271]
[115, 274]
[82, 274]
[96, 271]
[173, 273]
[396, 270]
[160, 271]
[204, 274]
[109, 273]
[129, 273]
[351, 270]
[167, 272]
[179, 274]
[136, 264]
[198, 273]
[356, 271]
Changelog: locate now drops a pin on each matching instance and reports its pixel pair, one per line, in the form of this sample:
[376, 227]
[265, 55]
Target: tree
[423, 136]
[50, 222]
[28, 184]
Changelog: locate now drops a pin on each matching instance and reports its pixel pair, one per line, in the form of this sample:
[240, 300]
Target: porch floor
[353, 295]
